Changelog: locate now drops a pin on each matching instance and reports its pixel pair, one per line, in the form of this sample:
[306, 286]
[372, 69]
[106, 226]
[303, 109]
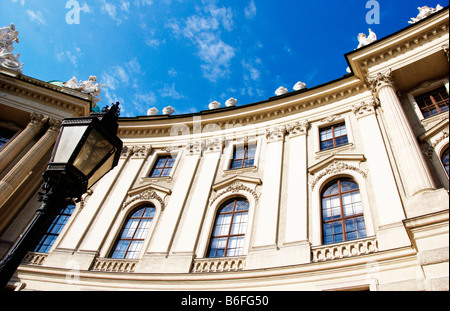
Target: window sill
[322, 153]
[156, 179]
[240, 170]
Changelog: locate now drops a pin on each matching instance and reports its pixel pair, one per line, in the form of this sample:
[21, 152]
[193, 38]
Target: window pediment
[236, 184]
[146, 193]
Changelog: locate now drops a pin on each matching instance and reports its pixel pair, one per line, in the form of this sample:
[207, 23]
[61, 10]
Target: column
[267, 220]
[385, 193]
[413, 168]
[18, 173]
[15, 147]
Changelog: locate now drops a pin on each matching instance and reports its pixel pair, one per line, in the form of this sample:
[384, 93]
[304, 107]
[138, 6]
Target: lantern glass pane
[108, 165]
[94, 150]
[69, 139]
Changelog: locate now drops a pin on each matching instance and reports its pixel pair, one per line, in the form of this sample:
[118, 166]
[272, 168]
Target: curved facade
[343, 186]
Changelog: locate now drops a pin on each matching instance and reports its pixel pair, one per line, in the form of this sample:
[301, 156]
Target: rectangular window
[163, 166]
[333, 136]
[243, 156]
[434, 102]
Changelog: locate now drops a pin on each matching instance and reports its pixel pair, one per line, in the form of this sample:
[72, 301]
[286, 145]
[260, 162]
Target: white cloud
[70, 55]
[140, 3]
[250, 10]
[111, 10]
[22, 2]
[253, 72]
[36, 16]
[169, 91]
[203, 30]
[172, 72]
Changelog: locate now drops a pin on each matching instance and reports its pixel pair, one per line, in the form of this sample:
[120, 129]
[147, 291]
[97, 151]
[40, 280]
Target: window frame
[342, 217]
[118, 239]
[153, 160]
[55, 222]
[229, 152]
[164, 167]
[444, 150]
[229, 234]
[334, 137]
[434, 102]
[246, 147]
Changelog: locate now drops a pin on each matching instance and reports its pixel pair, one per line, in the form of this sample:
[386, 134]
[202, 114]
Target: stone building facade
[343, 186]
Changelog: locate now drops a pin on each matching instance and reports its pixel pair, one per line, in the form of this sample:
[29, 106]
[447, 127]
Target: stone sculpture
[299, 86]
[281, 91]
[9, 35]
[366, 40]
[424, 12]
[152, 111]
[231, 102]
[168, 111]
[214, 105]
[88, 87]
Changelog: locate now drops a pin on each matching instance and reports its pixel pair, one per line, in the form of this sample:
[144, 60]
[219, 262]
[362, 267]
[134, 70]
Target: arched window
[444, 159]
[228, 236]
[54, 230]
[133, 233]
[342, 213]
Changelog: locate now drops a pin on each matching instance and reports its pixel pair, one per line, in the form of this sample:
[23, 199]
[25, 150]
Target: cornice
[274, 108]
[407, 39]
[46, 94]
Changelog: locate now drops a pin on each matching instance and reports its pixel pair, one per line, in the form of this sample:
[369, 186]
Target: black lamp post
[86, 149]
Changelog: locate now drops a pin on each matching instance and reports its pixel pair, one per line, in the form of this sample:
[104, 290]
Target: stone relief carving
[364, 108]
[235, 187]
[9, 35]
[376, 82]
[275, 134]
[430, 146]
[214, 144]
[298, 128]
[424, 12]
[87, 87]
[334, 168]
[145, 196]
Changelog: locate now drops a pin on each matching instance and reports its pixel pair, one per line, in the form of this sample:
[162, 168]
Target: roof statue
[366, 40]
[87, 87]
[8, 60]
[424, 12]
[214, 105]
[231, 102]
[152, 111]
[299, 86]
[281, 90]
[168, 110]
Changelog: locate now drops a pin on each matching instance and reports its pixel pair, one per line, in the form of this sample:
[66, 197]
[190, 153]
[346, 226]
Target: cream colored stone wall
[393, 155]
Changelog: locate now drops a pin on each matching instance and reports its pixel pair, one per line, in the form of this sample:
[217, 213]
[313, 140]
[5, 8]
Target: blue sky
[188, 53]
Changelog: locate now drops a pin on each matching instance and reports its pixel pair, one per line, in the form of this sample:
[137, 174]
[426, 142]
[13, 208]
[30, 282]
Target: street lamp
[86, 149]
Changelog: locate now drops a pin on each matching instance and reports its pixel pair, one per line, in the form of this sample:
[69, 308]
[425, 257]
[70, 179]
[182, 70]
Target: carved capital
[37, 119]
[140, 152]
[364, 108]
[275, 134]
[54, 125]
[380, 80]
[215, 145]
[445, 47]
[194, 148]
[298, 128]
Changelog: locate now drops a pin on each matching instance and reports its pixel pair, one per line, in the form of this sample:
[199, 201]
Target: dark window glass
[243, 156]
[163, 166]
[333, 136]
[444, 159]
[54, 230]
[342, 214]
[434, 102]
[134, 233]
[228, 235]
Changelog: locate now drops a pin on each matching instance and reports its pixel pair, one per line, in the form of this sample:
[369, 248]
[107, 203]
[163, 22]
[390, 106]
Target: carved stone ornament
[366, 40]
[298, 128]
[275, 134]
[330, 118]
[145, 196]
[235, 187]
[9, 35]
[334, 168]
[364, 108]
[380, 80]
[281, 91]
[424, 12]
[212, 145]
[140, 152]
[430, 147]
[194, 148]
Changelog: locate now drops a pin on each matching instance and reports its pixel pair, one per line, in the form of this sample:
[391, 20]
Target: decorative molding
[145, 196]
[214, 145]
[330, 118]
[235, 187]
[298, 128]
[275, 134]
[333, 168]
[364, 108]
[140, 152]
[194, 147]
[430, 146]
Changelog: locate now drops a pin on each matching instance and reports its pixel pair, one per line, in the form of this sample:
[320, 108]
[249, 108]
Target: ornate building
[343, 186]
